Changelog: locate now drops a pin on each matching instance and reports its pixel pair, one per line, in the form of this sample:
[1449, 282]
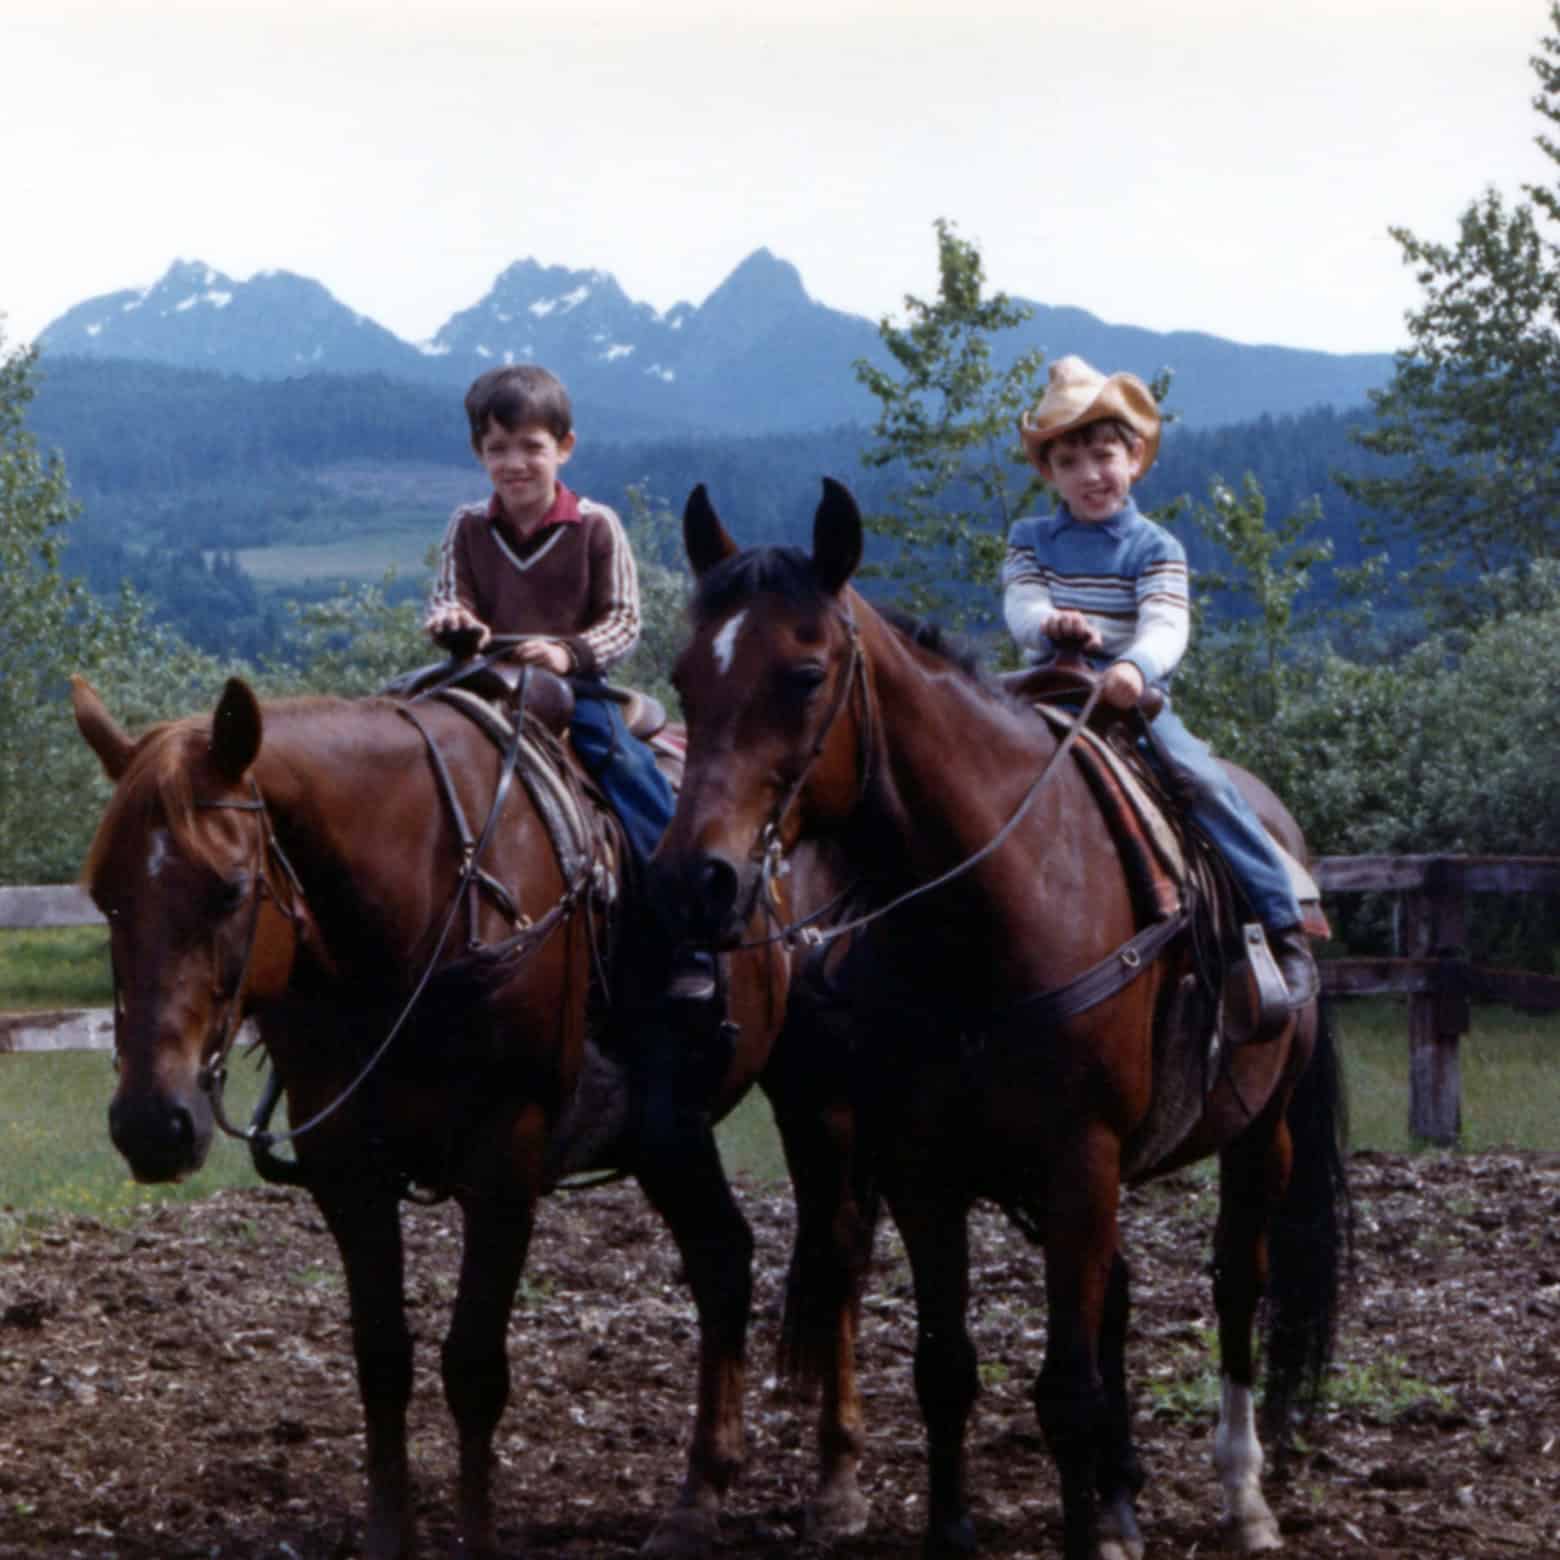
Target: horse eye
[231, 893]
[806, 678]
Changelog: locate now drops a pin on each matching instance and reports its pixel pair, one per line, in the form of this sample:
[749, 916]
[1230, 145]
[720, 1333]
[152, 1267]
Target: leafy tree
[663, 595]
[51, 626]
[351, 643]
[1471, 411]
[948, 421]
[1239, 672]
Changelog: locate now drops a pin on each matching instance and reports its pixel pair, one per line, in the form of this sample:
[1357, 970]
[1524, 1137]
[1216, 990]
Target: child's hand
[1121, 685]
[1072, 630]
[544, 652]
[457, 630]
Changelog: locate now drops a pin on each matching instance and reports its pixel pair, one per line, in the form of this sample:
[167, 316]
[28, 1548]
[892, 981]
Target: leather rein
[528, 938]
[1113, 973]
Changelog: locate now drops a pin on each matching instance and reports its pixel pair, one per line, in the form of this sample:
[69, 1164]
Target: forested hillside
[178, 471]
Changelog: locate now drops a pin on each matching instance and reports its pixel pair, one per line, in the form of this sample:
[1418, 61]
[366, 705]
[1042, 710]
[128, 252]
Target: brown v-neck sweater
[570, 578]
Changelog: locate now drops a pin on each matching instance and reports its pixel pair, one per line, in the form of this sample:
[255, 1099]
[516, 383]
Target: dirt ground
[183, 1388]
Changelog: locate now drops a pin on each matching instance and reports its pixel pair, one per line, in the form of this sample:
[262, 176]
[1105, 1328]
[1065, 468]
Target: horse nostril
[717, 885]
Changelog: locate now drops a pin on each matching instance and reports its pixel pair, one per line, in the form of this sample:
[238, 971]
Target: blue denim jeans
[625, 769]
[1226, 818]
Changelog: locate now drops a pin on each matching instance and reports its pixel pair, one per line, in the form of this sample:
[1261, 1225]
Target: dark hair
[518, 395]
[1123, 430]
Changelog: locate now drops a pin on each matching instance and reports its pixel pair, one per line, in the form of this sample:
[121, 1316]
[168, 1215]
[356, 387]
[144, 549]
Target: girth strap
[1114, 973]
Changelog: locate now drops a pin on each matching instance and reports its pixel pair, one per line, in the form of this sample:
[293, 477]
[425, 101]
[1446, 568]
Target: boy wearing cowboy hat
[1099, 574]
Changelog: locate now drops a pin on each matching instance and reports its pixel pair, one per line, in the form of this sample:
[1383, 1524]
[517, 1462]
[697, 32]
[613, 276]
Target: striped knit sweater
[571, 578]
[1127, 575]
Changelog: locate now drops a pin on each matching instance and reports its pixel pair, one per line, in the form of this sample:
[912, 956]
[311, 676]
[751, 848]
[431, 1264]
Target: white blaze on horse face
[159, 853]
[725, 642]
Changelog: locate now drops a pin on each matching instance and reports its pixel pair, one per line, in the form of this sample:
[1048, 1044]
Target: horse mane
[160, 783]
[780, 571]
[159, 780]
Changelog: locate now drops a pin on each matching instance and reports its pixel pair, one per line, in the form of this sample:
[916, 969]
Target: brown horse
[980, 1066]
[300, 864]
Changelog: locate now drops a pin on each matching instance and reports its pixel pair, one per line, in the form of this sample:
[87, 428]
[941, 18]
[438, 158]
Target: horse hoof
[839, 1514]
[684, 1533]
[1119, 1549]
[1256, 1536]
[1116, 1534]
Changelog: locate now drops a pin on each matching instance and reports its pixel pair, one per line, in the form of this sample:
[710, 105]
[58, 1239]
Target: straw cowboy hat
[1076, 394]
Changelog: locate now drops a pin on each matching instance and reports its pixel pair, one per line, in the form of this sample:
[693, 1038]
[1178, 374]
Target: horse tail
[1310, 1241]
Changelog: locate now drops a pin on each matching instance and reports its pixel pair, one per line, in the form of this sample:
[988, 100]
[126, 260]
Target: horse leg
[364, 1216]
[1121, 1471]
[474, 1360]
[1071, 1402]
[936, 1240]
[1252, 1172]
[823, 1305]
[687, 1186]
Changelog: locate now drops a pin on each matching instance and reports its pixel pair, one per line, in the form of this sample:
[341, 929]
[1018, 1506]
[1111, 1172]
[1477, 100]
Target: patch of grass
[56, 1158]
[1384, 1390]
[750, 1142]
[62, 967]
[402, 546]
[1188, 1391]
[1511, 1085]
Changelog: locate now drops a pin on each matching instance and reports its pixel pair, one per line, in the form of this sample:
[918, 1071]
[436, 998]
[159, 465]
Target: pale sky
[1229, 166]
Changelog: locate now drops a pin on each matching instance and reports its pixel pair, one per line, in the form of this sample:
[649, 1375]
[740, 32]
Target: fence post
[1435, 927]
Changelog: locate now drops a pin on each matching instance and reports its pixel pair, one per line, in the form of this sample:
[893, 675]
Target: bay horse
[300, 864]
[977, 1071]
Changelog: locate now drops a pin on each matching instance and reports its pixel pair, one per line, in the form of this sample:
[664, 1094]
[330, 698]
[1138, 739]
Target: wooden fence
[91, 1030]
[1432, 969]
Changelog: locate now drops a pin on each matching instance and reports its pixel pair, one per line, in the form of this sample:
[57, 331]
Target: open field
[358, 559]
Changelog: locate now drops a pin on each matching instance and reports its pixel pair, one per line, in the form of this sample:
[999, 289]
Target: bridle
[768, 850]
[524, 942]
[1103, 979]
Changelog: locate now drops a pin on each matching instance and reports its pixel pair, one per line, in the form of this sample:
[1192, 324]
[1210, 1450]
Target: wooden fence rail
[1433, 969]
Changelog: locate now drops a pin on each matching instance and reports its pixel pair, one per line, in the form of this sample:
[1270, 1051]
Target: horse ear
[235, 730]
[836, 537]
[98, 728]
[704, 537]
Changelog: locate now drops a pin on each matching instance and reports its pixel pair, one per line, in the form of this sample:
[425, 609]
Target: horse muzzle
[705, 899]
[162, 1136]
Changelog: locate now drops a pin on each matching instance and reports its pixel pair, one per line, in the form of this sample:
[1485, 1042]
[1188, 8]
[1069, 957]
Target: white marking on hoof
[1249, 1526]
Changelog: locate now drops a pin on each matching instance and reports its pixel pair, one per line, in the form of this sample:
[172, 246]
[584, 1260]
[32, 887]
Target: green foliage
[352, 643]
[1472, 408]
[1426, 754]
[655, 533]
[1236, 678]
[50, 626]
[948, 418]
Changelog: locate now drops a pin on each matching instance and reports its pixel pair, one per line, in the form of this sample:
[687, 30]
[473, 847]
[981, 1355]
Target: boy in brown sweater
[538, 560]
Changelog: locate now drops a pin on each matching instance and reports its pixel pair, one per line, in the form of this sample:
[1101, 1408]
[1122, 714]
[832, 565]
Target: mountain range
[759, 355]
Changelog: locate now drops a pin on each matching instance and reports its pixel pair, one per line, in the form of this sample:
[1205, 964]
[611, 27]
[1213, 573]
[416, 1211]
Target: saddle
[1168, 862]
[549, 698]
